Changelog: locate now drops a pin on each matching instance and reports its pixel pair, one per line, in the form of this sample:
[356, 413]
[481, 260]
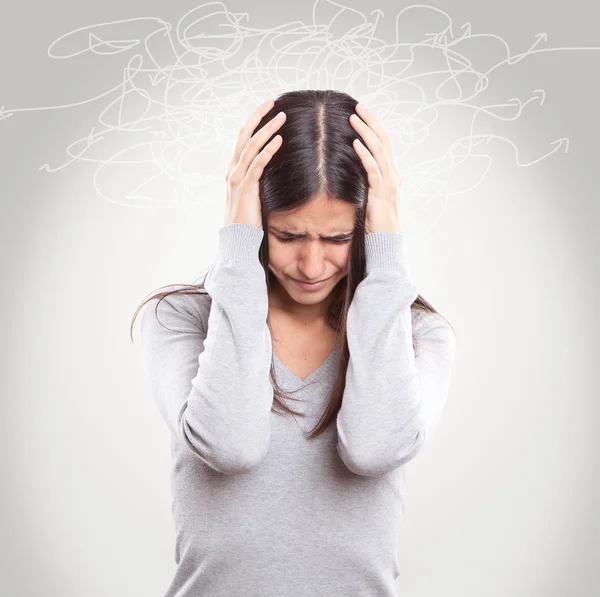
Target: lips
[303, 282]
[311, 286]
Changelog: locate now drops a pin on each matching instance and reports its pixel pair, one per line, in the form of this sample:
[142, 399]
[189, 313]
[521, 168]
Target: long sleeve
[212, 386]
[392, 400]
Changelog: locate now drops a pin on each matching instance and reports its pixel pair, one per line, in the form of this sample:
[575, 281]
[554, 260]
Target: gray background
[503, 502]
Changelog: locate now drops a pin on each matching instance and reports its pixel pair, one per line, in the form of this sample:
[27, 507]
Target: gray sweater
[260, 510]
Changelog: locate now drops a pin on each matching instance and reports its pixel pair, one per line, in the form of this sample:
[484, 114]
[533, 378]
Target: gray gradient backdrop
[504, 501]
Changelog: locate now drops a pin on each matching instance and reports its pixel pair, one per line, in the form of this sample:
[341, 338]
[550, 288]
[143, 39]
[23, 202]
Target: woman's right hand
[247, 165]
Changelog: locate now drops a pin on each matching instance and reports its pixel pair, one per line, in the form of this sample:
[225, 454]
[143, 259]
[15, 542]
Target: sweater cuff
[239, 242]
[386, 250]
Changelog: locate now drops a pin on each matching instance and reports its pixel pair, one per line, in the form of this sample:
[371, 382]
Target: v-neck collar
[327, 365]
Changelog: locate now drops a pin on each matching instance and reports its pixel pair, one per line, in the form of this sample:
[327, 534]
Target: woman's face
[309, 257]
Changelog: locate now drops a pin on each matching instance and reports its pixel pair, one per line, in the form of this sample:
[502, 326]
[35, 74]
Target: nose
[312, 262]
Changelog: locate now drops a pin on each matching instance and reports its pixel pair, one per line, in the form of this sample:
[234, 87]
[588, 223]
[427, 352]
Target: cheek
[342, 257]
[280, 256]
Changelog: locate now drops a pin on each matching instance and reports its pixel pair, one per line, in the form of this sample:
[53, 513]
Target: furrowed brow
[341, 236]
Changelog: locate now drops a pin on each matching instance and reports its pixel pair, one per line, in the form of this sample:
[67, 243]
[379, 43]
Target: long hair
[316, 157]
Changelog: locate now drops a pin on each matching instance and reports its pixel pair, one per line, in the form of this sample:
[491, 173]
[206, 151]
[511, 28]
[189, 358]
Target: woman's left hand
[377, 156]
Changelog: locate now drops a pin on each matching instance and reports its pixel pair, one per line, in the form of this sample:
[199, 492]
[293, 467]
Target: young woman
[310, 295]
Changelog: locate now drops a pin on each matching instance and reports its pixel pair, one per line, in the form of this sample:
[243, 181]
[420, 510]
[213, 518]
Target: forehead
[321, 215]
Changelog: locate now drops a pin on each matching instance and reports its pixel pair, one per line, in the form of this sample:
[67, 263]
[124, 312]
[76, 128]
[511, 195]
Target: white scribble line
[130, 43]
[187, 87]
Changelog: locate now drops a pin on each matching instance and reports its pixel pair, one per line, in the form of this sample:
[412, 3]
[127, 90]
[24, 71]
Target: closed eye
[337, 242]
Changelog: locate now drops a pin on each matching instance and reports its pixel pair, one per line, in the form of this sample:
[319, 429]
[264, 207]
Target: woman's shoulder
[434, 335]
[185, 299]
[430, 323]
[194, 297]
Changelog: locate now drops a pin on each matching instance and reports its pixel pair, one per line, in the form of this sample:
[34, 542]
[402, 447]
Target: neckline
[325, 367]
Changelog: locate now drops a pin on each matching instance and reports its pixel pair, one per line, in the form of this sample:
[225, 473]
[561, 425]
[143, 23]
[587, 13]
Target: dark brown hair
[316, 157]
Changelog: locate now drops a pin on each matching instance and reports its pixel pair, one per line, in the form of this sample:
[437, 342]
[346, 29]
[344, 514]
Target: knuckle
[235, 178]
[393, 186]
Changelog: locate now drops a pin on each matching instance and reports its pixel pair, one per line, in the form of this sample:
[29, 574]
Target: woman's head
[314, 186]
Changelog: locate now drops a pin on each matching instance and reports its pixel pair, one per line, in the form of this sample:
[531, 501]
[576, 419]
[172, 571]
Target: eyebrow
[341, 236]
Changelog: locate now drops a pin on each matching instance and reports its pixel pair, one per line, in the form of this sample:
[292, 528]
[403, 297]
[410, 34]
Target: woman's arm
[213, 389]
[392, 400]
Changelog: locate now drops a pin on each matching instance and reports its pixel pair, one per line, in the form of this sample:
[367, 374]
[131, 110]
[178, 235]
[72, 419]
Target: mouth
[311, 286]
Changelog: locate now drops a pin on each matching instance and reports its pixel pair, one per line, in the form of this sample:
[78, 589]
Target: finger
[370, 164]
[375, 146]
[257, 142]
[374, 127]
[246, 130]
[377, 128]
[257, 167]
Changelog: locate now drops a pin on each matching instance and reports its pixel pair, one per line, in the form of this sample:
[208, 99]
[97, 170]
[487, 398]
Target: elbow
[229, 455]
[373, 463]
[236, 463]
